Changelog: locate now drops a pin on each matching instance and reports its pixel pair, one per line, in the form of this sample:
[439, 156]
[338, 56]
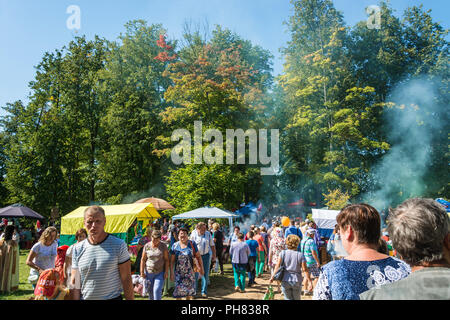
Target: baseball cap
[311, 230]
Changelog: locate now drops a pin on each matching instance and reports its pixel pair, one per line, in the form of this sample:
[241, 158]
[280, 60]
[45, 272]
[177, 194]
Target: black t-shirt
[218, 235]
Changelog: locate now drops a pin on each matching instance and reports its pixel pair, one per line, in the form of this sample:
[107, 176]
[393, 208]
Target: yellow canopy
[118, 217]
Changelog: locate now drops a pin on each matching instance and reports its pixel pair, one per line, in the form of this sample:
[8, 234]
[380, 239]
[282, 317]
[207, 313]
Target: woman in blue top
[252, 258]
[364, 267]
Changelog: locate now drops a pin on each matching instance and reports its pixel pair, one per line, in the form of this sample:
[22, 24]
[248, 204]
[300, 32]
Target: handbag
[280, 272]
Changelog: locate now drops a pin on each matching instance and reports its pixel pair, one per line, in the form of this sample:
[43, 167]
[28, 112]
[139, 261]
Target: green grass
[25, 291]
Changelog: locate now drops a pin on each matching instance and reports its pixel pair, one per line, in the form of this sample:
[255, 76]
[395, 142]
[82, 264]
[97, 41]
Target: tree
[135, 86]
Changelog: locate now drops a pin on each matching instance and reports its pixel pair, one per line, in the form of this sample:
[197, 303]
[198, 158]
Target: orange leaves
[164, 56]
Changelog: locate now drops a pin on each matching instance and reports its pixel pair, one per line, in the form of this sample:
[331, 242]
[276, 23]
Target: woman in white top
[80, 235]
[42, 255]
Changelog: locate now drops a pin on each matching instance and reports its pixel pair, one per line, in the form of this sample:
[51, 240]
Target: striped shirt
[99, 267]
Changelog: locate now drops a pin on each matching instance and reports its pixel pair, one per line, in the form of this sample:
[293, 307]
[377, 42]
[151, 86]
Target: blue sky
[29, 28]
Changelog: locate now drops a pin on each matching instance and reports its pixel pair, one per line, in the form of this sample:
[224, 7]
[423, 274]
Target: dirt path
[222, 288]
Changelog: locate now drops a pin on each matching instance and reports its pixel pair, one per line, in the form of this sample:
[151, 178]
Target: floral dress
[184, 271]
[277, 245]
[347, 279]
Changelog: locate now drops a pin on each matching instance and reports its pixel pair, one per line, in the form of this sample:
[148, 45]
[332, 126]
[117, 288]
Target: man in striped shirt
[102, 261]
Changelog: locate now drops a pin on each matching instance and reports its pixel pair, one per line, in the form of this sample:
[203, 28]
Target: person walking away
[42, 255]
[184, 259]
[80, 235]
[218, 243]
[239, 251]
[294, 263]
[154, 265]
[364, 267]
[277, 245]
[253, 258]
[331, 244]
[419, 230]
[205, 245]
[109, 254]
[311, 254]
[261, 252]
[9, 262]
[265, 237]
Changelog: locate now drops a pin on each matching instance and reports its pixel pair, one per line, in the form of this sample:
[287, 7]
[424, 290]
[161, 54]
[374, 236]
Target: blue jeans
[205, 277]
[291, 290]
[155, 285]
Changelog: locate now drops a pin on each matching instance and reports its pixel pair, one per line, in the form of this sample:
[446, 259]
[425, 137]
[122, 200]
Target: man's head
[201, 227]
[419, 229]
[292, 222]
[94, 221]
[237, 230]
[311, 232]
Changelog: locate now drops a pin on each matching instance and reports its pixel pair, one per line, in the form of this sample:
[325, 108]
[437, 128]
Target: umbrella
[159, 204]
[18, 211]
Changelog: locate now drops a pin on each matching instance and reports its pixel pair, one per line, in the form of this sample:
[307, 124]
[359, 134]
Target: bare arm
[316, 257]
[172, 267]
[276, 269]
[166, 264]
[30, 262]
[142, 263]
[125, 277]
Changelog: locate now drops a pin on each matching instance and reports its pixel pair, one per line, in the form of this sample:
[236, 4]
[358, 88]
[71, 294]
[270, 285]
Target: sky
[29, 28]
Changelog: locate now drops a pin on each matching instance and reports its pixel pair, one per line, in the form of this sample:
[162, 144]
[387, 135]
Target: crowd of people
[410, 259]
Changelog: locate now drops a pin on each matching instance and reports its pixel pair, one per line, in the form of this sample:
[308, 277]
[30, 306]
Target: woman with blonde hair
[42, 255]
[294, 263]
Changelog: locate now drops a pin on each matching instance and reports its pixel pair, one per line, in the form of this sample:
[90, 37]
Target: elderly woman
[276, 246]
[294, 263]
[155, 265]
[185, 258]
[420, 232]
[364, 267]
[9, 261]
[42, 255]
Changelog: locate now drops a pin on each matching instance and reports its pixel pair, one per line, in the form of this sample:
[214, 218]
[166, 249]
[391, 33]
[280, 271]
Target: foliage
[336, 199]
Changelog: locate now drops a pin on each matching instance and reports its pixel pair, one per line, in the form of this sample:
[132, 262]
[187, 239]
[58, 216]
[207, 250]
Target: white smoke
[412, 123]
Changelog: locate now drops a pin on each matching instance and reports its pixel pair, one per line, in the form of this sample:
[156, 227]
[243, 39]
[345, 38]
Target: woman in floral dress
[277, 244]
[184, 256]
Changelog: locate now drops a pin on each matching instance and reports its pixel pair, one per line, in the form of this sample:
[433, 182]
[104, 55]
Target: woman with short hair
[80, 235]
[364, 267]
[294, 263]
[184, 254]
[42, 255]
[154, 265]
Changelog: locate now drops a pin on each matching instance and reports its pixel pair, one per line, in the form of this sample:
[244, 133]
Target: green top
[425, 284]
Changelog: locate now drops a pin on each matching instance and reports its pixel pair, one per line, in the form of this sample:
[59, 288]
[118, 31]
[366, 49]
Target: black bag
[280, 273]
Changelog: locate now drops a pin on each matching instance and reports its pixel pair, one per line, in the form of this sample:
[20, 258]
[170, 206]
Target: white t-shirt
[204, 242]
[45, 255]
[69, 270]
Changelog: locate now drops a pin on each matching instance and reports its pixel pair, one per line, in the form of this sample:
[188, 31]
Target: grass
[25, 291]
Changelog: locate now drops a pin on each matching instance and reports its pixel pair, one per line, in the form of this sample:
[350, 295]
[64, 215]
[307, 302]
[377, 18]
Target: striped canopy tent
[325, 221]
[119, 219]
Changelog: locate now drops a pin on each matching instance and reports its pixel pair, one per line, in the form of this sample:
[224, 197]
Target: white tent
[325, 220]
[206, 213]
